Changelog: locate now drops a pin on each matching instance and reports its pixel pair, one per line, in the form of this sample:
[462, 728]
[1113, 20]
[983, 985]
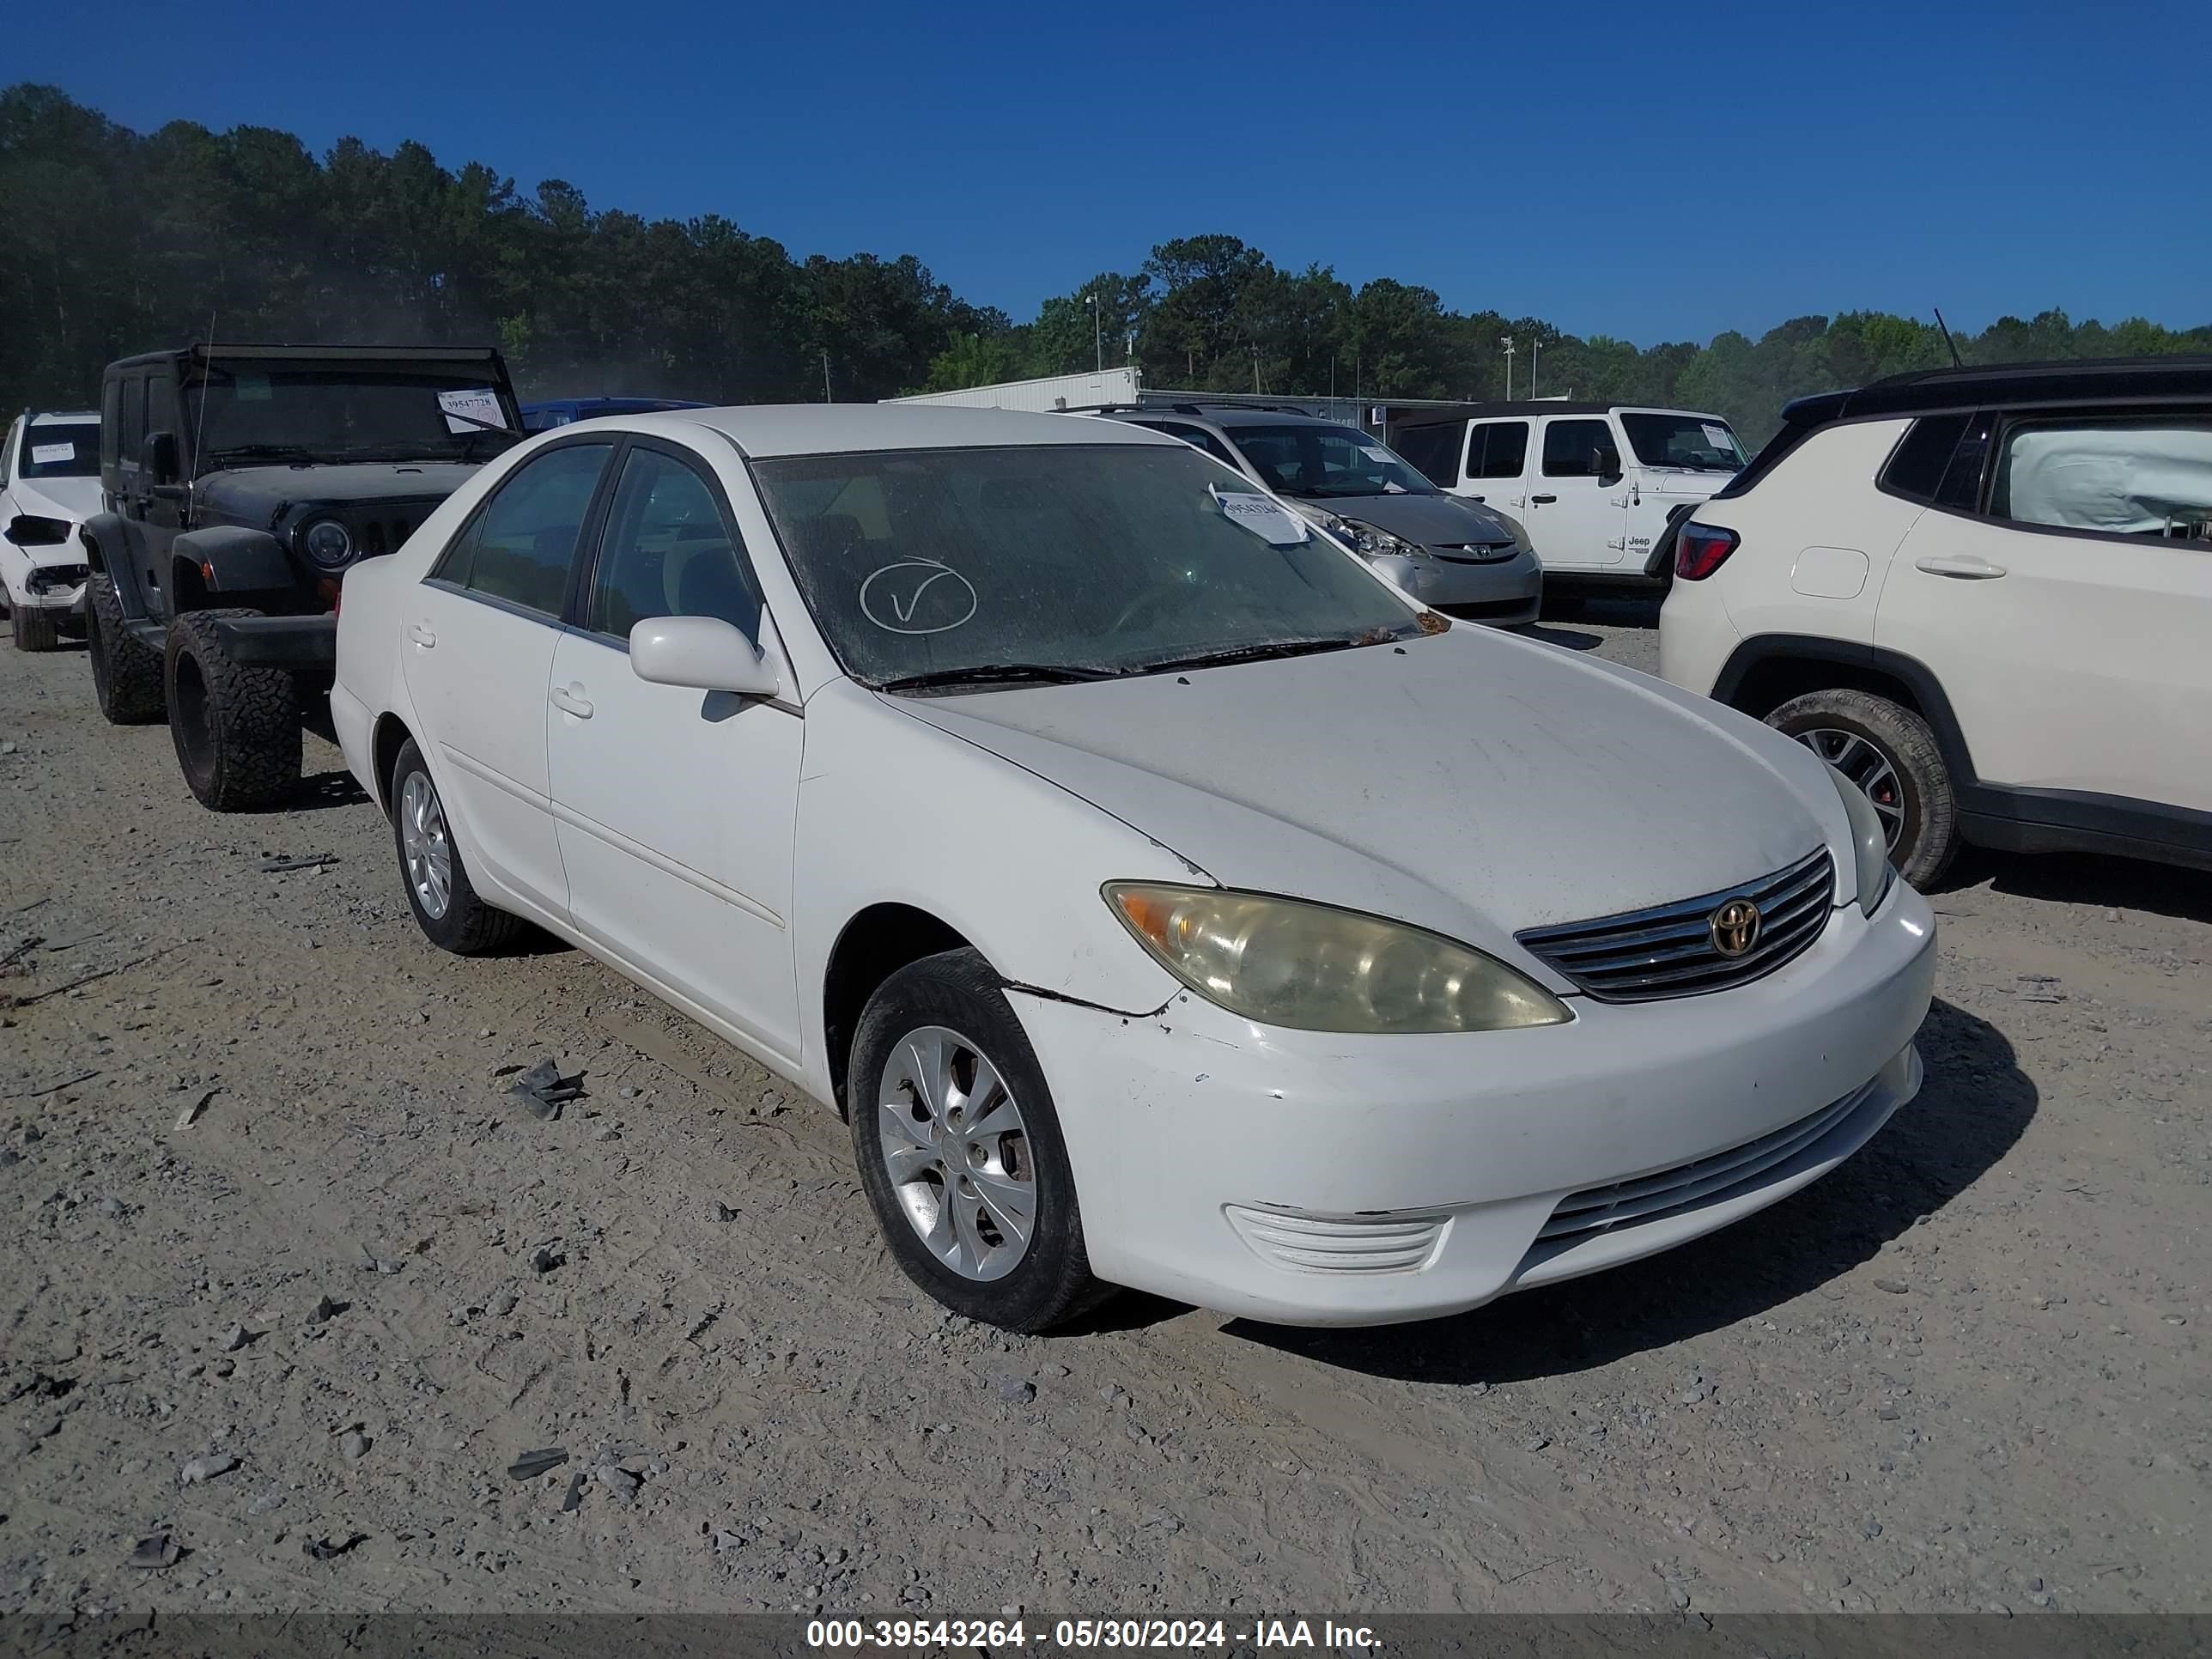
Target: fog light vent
[1390, 1242]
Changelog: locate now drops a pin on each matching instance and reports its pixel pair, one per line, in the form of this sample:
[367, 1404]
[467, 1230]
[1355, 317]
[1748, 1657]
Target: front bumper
[1308, 1178]
[307, 642]
[1504, 591]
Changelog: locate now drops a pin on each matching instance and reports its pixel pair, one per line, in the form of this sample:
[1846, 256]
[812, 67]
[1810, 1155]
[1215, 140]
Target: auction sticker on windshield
[1717, 436]
[51, 455]
[1271, 521]
[472, 410]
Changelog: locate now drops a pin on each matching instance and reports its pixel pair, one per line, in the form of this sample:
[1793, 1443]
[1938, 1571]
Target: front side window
[667, 552]
[520, 545]
[1326, 463]
[1570, 447]
[59, 449]
[1694, 442]
[1499, 449]
[1101, 559]
[2148, 478]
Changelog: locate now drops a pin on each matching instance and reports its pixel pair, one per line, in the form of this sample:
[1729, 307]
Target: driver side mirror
[700, 653]
[1605, 464]
[162, 463]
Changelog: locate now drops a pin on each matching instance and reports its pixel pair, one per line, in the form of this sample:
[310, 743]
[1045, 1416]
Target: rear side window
[130, 425]
[519, 546]
[1568, 444]
[1916, 466]
[1434, 450]
[111, 420]
[2120, 477]
[1499, 449]
[1962, 489]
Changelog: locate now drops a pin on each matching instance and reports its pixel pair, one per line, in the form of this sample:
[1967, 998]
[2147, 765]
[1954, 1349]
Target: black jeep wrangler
[239, 483]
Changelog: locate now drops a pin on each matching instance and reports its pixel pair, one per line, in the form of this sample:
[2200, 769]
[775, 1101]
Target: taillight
[1701, 549]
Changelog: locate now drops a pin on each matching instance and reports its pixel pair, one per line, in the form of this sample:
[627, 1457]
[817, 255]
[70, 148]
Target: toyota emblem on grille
[1733, 927]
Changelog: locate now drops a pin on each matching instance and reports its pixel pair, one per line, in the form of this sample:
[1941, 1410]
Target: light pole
[1507, 341]
[1532, 365]
[1098, 329]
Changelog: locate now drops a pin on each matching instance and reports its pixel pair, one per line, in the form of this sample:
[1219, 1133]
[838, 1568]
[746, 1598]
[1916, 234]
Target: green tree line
[119, 241]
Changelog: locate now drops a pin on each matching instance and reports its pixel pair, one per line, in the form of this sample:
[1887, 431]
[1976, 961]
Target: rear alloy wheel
[1892, 754]
[959, 1148]
[126, 676]
[438, 891]
[236, 727]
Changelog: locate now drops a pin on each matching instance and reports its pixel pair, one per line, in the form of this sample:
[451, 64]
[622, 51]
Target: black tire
[1929, 839]
[236, 728]
[35, 630]
[1052, 1282]
[468, 926]
[126, 676]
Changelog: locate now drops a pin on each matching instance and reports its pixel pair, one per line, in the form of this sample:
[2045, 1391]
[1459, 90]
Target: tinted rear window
[1916, 465]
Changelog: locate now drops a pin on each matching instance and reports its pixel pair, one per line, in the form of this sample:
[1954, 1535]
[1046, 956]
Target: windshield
[1320, 462]
[372, 412]
[1098, 559]
[57, 449]
[1696, 440]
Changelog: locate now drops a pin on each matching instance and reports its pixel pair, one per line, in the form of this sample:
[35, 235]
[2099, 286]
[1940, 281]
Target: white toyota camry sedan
[1162, 898]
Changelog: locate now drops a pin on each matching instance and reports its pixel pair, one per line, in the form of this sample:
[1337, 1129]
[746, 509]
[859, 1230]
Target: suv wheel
[959, 1148]
[438, 891]
[1890, 753]
[35, 628]
[236, 728]
[126, 676]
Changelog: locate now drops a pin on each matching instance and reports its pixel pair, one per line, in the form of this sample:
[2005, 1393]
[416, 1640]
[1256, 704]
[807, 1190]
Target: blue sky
[1652, 171]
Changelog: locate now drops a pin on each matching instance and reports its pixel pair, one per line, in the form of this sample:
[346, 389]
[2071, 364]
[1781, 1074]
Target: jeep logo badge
[1733, 927]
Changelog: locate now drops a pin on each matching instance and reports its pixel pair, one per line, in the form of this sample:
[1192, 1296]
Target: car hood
[254, 495]
[1473, 782]
[74, 499]
[1427, 520]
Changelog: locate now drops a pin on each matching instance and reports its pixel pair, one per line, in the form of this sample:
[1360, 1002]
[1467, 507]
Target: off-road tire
[1930, 839]
[1052, 1282]
[126, 676]
[35, 629]
[236, 728]
[470, 926]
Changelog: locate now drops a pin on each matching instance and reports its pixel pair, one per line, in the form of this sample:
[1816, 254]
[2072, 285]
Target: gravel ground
[294, 1282]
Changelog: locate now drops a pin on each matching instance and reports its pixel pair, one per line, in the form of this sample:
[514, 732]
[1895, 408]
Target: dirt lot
[272, 1204]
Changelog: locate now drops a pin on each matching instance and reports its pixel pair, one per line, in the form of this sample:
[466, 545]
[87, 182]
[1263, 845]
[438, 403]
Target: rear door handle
[570, 699]
[1541, 501]
[422, 635]
[1965, 568]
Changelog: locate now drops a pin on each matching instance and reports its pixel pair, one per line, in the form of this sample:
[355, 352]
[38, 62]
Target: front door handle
[1541, 501]
[570, 699]
[422, 635]
[1965, 568]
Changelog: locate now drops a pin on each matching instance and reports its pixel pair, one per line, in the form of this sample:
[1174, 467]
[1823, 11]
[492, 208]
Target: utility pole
[1098, 329]
[1532, 365]
[1508, 343]
[827, 396]
[1255, 370]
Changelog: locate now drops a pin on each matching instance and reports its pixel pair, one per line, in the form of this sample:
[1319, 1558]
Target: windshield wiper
[261, 453]
[1274, 648]
[1041, 673]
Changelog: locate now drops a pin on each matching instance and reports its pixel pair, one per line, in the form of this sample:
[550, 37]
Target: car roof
[1540, 406]
[2089, 380]
[228, 352]
[763, 430]
[67, 418]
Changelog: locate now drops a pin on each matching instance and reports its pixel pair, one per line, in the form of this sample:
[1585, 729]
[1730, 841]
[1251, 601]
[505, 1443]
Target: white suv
[1985, 594]
[1596, 487]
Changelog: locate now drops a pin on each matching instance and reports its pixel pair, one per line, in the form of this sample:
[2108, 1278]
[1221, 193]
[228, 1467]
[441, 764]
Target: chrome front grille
[1690, 1186]
[1396, 1241]
[1642, 956]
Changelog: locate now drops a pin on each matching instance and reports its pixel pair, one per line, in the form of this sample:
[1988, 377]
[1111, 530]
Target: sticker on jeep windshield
[1717, 436]
[472, 410]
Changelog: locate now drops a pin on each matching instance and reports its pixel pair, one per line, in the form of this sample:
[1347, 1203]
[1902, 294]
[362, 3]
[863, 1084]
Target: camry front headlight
[1869, 842]
[1314, 968]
